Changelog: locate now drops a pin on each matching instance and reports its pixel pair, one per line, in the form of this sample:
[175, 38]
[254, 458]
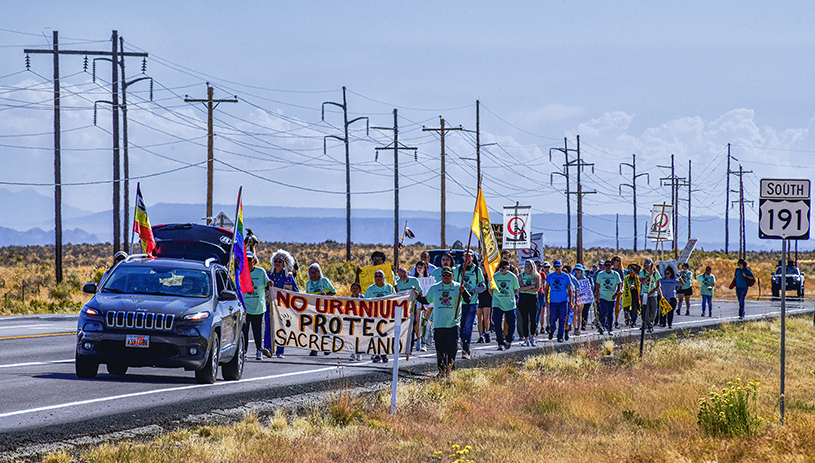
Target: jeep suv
[795, 281]
[180, 309]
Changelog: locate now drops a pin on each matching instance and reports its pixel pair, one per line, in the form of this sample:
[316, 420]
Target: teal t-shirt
[472, 277]
[379, 291]
[607, 284]
[527, 280]
[411, 283]
[255, 302]
[323, 285]
[504, 297]
[707, 283]
[443, 298]
[687, 276]
[649, 283]
[437, 273]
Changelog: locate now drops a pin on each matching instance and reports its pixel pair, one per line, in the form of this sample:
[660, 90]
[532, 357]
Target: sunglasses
[278, 261]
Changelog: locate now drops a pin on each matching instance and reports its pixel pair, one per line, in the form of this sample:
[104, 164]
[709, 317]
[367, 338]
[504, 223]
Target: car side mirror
[90, 288]
[227, 295]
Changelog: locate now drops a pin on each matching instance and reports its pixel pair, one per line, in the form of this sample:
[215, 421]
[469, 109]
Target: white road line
[157, 391]
[28, 364]
[25, 326]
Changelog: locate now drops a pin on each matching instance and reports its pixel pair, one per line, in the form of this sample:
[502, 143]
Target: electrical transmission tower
[565, 150]
[442, 130]
[741, 201]
[55, 51]
[346, 141]
[211, 104]
[727, 201]
[633, 186]
[395, 147]
[674, 182]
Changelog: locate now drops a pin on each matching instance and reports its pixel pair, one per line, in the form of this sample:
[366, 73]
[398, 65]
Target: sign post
[783, 213]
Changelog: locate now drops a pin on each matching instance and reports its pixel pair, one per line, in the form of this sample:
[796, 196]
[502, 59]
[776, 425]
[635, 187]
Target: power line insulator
[27, 62]
[85, 64]
[144, 66]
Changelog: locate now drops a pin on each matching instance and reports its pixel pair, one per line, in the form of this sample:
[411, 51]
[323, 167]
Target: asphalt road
[42, 400]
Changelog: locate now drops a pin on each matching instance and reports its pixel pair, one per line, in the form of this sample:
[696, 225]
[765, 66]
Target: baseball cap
[579, 267]
[546, 264]
[555, 264]
[647, 261]
[446, 271]
[250, 255]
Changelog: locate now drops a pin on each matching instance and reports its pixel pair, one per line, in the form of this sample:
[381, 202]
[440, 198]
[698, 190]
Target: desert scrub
[733, 413]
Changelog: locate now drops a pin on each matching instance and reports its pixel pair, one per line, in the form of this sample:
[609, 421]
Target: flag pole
[235, 226]
[469, 241]
[136, 208]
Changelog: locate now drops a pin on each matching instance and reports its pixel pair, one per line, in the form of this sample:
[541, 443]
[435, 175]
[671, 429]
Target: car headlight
[198, 316]
[187, 331]
[92, 326]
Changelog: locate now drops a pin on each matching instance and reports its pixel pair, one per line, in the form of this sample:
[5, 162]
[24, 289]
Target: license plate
[137, 340]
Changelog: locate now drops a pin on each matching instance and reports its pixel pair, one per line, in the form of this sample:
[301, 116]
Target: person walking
[422, 327]
[607, 292]
[707, 282]
[446, 297]
[472, 278]
[617, 267]
[541, 299]
[484, 312]
[380, 288]
[405, 282]
[528, 302]
[668, 285]
[544, 317]
[649, 279]
[744, 279]
[446, 261]
[561, 296]
[567, 269]
[685, 290]
[255, 304]
[581, 311]
[503, 304]
[631, 295]
[318, 284]
[282, 276]
[424, 258]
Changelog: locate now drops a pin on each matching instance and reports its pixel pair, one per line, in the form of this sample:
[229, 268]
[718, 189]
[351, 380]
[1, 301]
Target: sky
[630, 78]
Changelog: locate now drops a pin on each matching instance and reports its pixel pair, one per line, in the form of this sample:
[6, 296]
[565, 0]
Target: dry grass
[579, 407]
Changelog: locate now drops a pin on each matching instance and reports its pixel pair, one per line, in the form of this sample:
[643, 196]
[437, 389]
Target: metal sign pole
[783, 322]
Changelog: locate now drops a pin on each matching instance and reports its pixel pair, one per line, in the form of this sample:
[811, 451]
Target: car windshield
[790, 271]
[158, 280]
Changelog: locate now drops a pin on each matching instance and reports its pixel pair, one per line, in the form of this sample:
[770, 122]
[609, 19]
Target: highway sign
[783, 211]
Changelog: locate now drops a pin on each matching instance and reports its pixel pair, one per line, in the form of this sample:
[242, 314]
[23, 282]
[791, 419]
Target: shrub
[733, 413]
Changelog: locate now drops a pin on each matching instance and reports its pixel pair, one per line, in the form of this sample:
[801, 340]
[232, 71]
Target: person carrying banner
[446, 296]
[380, 288]
[607, 292]
[708, 282]
[470, 276]
[685, 290]
[561, 297]
[318, 284]
[503, 304]
[744, 279]
[282, 276]
[255, 304]
[405, 282]
[651, 292]
[528, 302]
[484, 312]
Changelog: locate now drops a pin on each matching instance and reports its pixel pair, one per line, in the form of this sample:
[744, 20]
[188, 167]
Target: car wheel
[85, 368]
[209, 372]
[118, 370]
[776, 291]
[233, 370]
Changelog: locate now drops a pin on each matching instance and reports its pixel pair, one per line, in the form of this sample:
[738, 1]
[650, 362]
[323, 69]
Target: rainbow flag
[242, 277]
[141, 225]
[481, 227]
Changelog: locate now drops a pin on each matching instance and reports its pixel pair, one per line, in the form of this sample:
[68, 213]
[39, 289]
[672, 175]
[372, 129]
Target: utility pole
[580, 193]
[211, 104]
[633, 186]
[565, 174]
[617, 232]
[741, 201]
[127, 226]
[727, 202]
[345, 140]
[673, 181]
[442, 130]
[395, 147]
[690, 195]
[55, 51]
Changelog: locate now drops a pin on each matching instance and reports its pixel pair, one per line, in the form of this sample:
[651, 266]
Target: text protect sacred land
[340, 324]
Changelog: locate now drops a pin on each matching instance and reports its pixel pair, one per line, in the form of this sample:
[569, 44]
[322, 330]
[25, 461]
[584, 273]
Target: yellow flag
[481, 227]
[366, 277]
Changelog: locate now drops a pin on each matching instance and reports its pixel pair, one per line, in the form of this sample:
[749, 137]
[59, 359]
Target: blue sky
[628, 77]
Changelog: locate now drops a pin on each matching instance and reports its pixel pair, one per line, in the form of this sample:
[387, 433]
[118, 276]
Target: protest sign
[535, 251]
[340, 324]
[366, 275]
[517, 223]
[585, 294]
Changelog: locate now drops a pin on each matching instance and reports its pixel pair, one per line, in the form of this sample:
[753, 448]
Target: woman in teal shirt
[318, 284]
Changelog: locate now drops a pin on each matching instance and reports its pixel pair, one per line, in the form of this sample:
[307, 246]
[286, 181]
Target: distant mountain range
[30, 221]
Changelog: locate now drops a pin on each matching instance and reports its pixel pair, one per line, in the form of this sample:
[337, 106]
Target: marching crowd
[540, 299]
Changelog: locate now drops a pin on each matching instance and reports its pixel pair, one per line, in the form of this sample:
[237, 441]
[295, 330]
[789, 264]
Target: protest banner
[535, 251]
[585, 294]
[366, 275]
[340, 324]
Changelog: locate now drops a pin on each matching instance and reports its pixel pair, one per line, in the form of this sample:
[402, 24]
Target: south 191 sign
[784, 209]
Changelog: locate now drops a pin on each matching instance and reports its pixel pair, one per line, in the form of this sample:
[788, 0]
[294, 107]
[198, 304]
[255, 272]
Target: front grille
[140, 320]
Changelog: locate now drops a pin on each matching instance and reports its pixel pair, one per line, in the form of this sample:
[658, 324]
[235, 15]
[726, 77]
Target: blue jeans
[498, 325]
[468, 312]
[741, 293]
[606, 314]
[707, 300]
[541, 303]
[558, 311]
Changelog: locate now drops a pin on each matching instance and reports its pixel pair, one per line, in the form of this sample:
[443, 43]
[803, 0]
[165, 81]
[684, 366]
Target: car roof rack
[133, 257]
[209, 261]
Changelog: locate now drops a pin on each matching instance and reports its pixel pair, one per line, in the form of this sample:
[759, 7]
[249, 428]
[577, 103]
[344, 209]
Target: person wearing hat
[607, 291]
[503, 304]
[561, 297]
[284, 266]
[651, 292]
[446, 297]
[472, 278]
[255, 304]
